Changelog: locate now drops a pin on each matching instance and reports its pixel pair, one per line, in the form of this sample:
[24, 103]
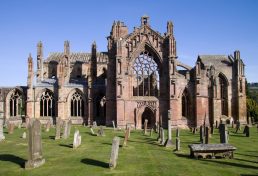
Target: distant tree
[252, 101]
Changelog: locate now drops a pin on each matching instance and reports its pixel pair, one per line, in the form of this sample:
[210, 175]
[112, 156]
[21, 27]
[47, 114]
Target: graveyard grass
[141, 156]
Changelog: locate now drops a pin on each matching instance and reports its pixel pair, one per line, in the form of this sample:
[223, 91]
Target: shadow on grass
[249, 174]
[67, 145]
[246, 155]
[14, 159]
[182, 155]
[95, 162]
[246, 160]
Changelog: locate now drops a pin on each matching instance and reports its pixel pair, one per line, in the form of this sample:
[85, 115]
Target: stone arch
[83, 106]
[8, 99]
[223, 93]
[47, 103]
[140, 113]
[185, 104]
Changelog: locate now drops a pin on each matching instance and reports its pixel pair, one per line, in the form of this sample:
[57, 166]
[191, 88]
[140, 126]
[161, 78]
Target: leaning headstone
[114, 126]
[101, 131]
[35, 146]
[10, 128]
[223, 134]
[177, 144]
[77, 139]
[58, 128]
[126, 137]
[2, 137]
[114, 153]
[145, 126]
[201, 134]
[24, 135]
[207, 135]
[162, 141]
[247, 131]
[48, 125]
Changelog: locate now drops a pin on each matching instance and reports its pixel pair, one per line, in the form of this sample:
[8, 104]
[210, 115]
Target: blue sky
[201, 27]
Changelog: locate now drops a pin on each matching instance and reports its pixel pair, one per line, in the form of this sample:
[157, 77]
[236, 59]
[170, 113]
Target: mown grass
[142, 156]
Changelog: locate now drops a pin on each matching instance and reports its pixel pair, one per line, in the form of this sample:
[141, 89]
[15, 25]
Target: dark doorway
[149, 115]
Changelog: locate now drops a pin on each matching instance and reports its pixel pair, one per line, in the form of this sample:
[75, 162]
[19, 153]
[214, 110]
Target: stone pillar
[168, 142]
[2, 137]
[114, 153]
[35, 146]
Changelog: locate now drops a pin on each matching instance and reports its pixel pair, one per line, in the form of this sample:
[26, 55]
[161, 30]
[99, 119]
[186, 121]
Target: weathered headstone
[2, 137]
[114, 153]
[48, 125]
[246, 131]
[223, 134]
[168, 142]
[11, 127]
[94, 124]
[207, 135]
[177, 144]
[145, 126]
[35, 146]
[126, 137]
[159, 133]
[177, 132]
[101, 131]
[114, 125]
[77, 139]
[67, 129]
[24, 135]
[162, 141]
[201, 134]
[58, 128]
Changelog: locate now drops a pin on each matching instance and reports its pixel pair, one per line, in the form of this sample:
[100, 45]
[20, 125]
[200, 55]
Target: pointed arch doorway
[149, 115]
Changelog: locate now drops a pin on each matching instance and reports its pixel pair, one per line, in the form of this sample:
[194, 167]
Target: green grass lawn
[142, 156]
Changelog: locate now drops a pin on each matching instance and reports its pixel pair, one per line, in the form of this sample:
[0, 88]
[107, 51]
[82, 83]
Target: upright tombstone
[114, 153]
[101, 131]
[126, 136]
[162, 140]
[145, 126]
[67, 129]
[58, 128]
[2, 137]
[77, 139]
[168, 142]
[35, 146]
[177, 132]
[24, 135]
[207, 135]
[11, 127]
[114, 125]
[129, 131]
[48, 125]
[223, 134]
[177, 144]
[201, 134]
[246, 131]
[94, 124]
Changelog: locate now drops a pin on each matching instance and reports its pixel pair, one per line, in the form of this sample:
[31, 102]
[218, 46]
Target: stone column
[168, 142]
[2, 137]
[34, 145]
[114, 153]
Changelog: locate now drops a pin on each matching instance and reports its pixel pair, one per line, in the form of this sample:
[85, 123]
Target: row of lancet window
[16, 104]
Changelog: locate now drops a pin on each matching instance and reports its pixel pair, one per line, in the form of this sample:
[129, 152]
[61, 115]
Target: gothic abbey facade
[139, 77]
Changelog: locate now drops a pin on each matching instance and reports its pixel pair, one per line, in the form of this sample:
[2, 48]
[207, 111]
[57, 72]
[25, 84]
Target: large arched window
[77, 105]
[16, 104]
[223, 88]
[185, 104]
[47, 104]
[146, 79]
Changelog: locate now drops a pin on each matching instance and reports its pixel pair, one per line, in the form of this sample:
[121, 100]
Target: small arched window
[223, 88]
[185, 104]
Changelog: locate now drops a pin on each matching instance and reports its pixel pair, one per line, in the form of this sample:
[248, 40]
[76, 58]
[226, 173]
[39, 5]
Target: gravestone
[168, 142]
[24, 135]
[177, 144]
[156, 127]
[223, 134]
[177, 132]
[247, 131]
[212, 129]
[238, 126]
[126, 137]
[207, 135]
[48, 125]
[101, 131]
[67, 129]
[10, 128]
[58, 128]
[77, 139]
[201, 134]
[114, 126]
[159, 134]
[2, 137]
[129, 129]
[94, 124]
[162, 140]
[114, 153]
[145, 126]
[35, 146]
